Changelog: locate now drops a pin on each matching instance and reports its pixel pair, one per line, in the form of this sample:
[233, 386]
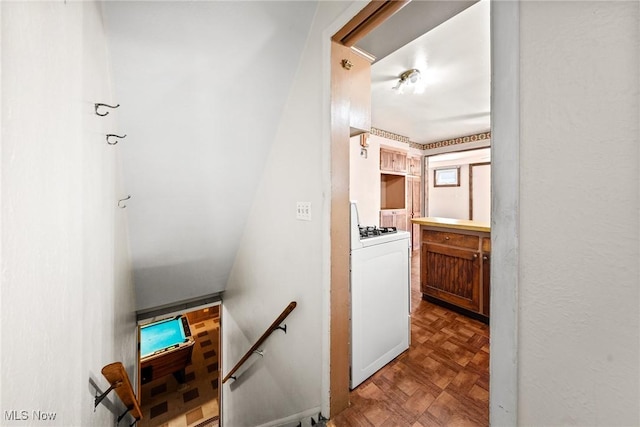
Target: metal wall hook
[111, 135]
[120, 205]
[97, 105]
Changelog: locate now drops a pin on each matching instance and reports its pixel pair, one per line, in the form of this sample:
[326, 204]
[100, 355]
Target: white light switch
[303, 211]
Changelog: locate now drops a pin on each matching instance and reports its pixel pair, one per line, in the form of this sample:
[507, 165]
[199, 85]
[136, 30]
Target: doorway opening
[470, 197]
[508, 326]
[179, 368]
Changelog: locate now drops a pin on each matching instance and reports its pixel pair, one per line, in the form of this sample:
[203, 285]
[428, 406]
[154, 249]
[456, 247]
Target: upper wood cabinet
[357, 75]
[415, 165]
[393, 160]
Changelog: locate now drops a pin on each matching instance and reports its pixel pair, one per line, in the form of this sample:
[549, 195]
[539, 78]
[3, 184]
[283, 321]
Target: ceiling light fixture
[408, 79]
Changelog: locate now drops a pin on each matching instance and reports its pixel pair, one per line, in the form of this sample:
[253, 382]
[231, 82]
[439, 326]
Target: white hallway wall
[202, 87]
[281, 259]
[67, 295]
[579, 324]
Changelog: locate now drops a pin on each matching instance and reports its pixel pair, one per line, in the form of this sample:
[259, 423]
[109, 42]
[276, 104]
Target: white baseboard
[294, 419]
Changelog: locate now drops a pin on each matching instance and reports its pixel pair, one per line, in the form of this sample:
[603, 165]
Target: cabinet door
[386, 160]
[416, 200]
[400, 218]
[451, 275]
[414, 166]
[394, 218]
[486, 274]
[399, 162]
[486, 283]
[386, 219]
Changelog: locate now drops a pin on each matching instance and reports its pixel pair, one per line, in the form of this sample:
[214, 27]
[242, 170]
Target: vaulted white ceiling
[201, 87]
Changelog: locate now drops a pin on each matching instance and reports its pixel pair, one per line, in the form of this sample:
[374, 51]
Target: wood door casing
[414, 204]
[339, 288]
[372, 15]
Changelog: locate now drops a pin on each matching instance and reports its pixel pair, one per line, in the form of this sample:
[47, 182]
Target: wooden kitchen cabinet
[393, 191]
[486, 274]
[394, 218]
[414, 166]
[393, 161]
[455, 264]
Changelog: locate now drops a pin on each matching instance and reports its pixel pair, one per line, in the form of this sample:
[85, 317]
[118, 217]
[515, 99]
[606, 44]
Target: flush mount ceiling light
[408, 79]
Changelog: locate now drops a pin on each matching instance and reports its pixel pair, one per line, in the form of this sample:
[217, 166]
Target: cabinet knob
[475, 256]
[485, 257]
[446, 237]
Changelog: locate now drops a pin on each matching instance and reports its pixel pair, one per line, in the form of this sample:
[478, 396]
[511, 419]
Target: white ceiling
[200, 122]
[454, 60]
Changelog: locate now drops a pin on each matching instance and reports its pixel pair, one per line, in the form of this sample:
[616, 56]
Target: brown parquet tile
[442, 380]
[193, 416]
[165, 403]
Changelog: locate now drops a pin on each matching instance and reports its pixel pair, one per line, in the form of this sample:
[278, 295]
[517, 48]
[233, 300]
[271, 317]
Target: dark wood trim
[372, 15]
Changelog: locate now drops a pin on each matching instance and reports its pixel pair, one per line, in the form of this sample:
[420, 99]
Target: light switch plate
[303, 211]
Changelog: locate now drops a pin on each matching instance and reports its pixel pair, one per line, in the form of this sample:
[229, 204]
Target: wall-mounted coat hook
[98, 105]
[120, 205]
[111, 135]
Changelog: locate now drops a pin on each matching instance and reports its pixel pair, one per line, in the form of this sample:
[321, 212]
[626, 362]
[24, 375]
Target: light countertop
[460, 224]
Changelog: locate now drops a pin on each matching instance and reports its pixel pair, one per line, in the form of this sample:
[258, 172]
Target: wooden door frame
[505, 128]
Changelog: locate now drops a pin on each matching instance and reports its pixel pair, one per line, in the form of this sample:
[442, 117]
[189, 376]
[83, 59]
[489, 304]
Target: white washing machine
[380, 297]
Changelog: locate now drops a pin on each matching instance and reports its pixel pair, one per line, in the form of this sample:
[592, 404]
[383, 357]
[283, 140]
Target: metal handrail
[275, 325]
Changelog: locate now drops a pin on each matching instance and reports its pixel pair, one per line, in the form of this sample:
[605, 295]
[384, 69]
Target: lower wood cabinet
[455, 268]
[394, 218]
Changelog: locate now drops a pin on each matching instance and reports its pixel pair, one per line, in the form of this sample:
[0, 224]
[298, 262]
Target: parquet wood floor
[165, 403]
[442, 380]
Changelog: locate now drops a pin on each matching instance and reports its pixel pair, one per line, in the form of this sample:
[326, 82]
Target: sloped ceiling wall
[201, 87]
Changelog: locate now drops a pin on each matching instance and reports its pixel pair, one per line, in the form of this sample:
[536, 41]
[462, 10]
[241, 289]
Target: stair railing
[119, 381]
[255, 348]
